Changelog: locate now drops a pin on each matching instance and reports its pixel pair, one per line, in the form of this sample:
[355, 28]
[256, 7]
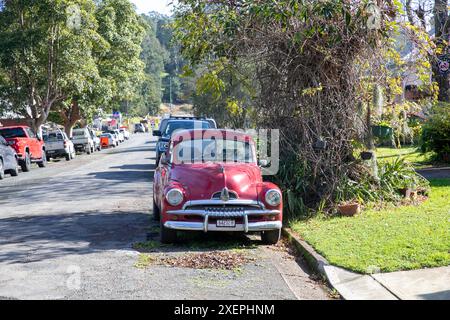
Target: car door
[33, 145]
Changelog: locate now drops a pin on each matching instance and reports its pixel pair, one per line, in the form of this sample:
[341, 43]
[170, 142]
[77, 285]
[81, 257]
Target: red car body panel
[23, 144]
[199, 181]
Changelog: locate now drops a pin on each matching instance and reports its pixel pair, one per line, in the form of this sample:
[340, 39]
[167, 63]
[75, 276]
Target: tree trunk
[441, 22]
[71, 116]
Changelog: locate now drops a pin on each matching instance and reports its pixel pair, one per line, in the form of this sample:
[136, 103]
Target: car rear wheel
[167, 235]
[156, 212]
[271, 237]
[2, 170]
[43, 162]
[26, 163]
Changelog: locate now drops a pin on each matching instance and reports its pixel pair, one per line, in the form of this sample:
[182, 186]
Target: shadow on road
[42, 237]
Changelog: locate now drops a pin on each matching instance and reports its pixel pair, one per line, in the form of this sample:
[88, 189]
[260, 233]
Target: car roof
[224, 133]
[14, 127]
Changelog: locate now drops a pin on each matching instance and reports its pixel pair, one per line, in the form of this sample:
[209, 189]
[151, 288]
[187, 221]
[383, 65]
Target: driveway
[83, 230]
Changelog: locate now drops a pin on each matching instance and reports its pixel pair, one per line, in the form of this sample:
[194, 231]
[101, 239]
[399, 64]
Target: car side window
[3, 141]
[30, 133]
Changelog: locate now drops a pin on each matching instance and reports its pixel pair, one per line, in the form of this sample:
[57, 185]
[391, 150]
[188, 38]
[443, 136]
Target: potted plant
[382, 129]
[349, 208]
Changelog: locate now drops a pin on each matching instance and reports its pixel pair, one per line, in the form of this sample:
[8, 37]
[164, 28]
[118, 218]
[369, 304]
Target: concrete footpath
[423, 284]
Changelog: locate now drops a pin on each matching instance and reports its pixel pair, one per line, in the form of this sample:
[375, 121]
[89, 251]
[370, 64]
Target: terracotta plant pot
[350, 209]
[406, 192]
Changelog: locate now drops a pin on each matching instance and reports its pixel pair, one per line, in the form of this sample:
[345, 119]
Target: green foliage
[436, 132]
[393, 176]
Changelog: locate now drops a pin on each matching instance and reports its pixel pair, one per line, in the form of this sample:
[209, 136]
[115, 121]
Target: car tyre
[43, 162]
[156, 212]
[14, 172]
[168, 236]
[2, 170]
[26, 163]
[271, 237]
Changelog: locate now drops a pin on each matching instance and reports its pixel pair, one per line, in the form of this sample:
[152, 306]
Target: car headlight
[174, 197]
[273, 197]
[162, 146]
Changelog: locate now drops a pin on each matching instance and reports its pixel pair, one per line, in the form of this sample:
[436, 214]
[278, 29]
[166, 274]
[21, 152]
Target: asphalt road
[70, 231]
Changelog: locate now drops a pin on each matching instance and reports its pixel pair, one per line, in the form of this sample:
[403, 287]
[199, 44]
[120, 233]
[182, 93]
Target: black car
[173, 125]
[8, 159]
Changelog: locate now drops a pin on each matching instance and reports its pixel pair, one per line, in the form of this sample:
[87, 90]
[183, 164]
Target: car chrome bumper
[200, 226]
[224, 213]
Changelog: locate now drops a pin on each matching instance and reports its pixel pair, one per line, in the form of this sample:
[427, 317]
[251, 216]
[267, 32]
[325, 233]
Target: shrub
[393, 176]
[436, 132]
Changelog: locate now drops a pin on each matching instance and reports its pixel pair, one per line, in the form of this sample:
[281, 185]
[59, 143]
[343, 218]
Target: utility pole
[170, 94]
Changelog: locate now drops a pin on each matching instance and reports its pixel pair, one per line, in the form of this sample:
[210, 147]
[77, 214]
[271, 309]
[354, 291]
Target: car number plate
[228, 223]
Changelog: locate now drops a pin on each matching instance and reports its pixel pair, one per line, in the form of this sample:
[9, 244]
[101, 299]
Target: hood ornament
[225, 195]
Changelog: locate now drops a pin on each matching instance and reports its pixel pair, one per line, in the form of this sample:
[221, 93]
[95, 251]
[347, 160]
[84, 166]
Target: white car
[125, 132]
[58, 145]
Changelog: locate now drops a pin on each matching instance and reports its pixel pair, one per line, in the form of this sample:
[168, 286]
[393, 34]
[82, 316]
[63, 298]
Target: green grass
[410, 154]
[400, 238]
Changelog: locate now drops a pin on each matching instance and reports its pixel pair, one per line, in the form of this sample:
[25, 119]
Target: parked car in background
[173, 125]
[203, 184]
[164, 121]
[139, 128]
[9, 161]
[29, 147]
[108, 140]
[125, 132]
[58, 145]
[115, 135]
[120, 135]
[82, 140]
[96, 139]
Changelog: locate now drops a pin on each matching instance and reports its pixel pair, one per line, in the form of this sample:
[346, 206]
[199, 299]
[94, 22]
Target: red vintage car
[210, 180]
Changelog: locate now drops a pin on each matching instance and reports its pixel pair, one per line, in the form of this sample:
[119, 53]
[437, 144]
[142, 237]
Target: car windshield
[13, 133]
[210, 150]
[53, 137]
[173, 126]
[79, 132]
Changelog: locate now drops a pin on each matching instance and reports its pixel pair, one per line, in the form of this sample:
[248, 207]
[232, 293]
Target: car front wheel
[2, 170]
[25, 164]
[43, 162]
[271, 237]
[168, 236]
[156, 212]
[14, 172]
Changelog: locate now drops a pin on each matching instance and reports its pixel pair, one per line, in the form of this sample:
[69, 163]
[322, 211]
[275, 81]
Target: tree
[309, 61]
[124, 30]
[46, 54]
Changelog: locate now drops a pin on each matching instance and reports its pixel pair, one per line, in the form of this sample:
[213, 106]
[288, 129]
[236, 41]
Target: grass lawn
[410, 154]
[400, 238]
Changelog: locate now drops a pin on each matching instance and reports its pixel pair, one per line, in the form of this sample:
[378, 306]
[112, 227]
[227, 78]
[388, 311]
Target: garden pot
[382, 131]
[349, 210]
[406, 192]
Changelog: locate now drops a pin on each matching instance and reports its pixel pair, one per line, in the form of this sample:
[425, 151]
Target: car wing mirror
[164, 161]
[157, 133]
[263, 163]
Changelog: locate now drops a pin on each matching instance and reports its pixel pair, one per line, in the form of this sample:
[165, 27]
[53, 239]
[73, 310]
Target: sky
[161, 6]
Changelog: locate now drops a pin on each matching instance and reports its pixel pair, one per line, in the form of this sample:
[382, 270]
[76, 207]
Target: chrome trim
[242, 213]
[199, 226]
[212, 202]
[265, 195]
